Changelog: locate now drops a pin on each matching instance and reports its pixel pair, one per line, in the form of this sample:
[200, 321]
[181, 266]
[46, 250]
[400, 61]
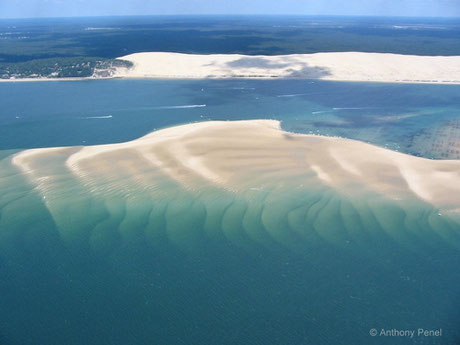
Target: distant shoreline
[342, 66]
[32, 80]
[27, 80]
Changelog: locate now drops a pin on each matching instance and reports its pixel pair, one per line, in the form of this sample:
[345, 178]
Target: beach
[341, 66]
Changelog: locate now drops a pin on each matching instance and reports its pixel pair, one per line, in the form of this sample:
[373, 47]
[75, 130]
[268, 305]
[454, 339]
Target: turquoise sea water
[290, 266]
[417, 119]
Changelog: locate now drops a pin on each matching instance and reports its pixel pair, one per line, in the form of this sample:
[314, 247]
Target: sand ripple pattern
[246, 182]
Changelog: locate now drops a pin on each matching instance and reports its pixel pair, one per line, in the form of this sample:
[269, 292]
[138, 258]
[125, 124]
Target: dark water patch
[223, 295]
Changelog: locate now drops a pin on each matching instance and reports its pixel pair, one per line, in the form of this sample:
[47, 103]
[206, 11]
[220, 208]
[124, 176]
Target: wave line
[96, 117]
[180, 106]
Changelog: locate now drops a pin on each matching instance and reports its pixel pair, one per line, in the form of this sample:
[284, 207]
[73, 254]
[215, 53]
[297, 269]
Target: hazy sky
[57, 8]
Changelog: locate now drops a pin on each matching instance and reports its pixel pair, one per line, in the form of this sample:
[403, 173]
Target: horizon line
[235, 15]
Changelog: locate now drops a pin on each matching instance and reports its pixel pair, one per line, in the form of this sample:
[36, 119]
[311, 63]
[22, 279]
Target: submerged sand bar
[247, 182]
[342, 66]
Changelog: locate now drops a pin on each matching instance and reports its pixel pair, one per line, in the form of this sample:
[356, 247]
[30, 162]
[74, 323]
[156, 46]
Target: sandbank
[250, 155]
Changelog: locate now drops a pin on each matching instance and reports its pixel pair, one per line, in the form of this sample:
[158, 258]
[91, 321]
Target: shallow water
[93, 264]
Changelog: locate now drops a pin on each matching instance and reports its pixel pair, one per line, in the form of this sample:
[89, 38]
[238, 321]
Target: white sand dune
[345, 66]
[243, 155]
